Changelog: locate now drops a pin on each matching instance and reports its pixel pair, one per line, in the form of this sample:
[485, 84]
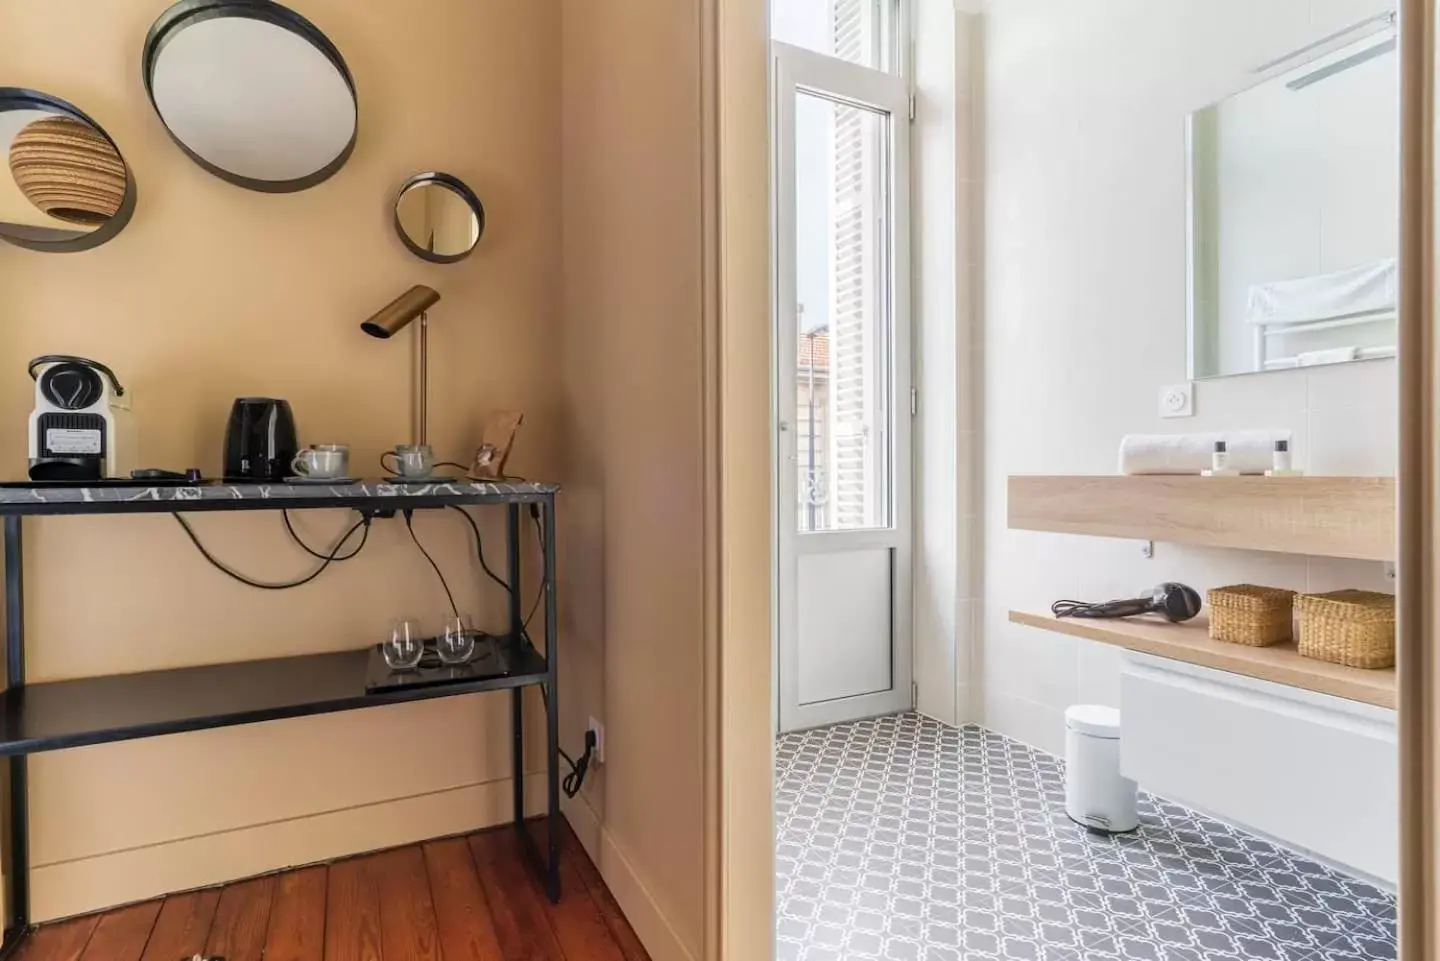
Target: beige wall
[214, 292]
[632, 539]
[666, 537]
[660, 323]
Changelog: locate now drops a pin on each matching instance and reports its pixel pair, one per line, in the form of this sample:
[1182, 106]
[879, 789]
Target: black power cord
[1130, 607]
[326, 559]
[480, 553]
[480, 548]
[289, 527]
[410, 526]
[575, 780]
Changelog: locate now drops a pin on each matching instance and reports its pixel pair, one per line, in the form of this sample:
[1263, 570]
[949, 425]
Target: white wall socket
[1177, 400]
[599, 730]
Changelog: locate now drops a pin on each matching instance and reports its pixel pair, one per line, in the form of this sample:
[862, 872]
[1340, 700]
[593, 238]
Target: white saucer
[322, 481]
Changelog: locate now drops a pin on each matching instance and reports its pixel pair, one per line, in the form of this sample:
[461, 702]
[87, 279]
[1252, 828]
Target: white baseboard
[650, 924]
[88, 884]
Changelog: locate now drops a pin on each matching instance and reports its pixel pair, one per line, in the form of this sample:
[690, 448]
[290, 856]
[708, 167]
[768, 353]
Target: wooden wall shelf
[1190, 642]
[1325, 516]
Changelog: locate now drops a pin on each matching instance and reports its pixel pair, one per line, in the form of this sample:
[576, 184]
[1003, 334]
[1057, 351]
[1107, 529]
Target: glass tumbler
[405, 645]
[456, 643]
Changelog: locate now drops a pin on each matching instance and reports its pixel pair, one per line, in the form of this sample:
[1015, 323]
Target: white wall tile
[1035, 724]
[1355, 442]
[1099, 680]
[1339, 574]
[1084, 315]
[1371, 383]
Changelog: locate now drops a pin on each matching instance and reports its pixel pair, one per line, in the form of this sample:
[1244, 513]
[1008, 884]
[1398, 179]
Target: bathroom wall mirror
[1294, 210]
[438, 217]
[252, 91]
[64, 186]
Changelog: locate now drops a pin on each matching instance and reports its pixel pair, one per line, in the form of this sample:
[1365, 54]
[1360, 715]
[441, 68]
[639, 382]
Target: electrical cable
[573, 781]
[409, 526]
[1126, 608]
[540, 594]
[285, 515]
[268, 585]
[480, 548]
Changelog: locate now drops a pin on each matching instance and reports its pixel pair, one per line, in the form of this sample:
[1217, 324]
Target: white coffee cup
[322, 462]
[412, 461]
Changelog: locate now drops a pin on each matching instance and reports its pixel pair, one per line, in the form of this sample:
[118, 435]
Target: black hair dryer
[1173, 601]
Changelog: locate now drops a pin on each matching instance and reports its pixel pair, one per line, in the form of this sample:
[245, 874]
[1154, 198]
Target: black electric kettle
[260, 440]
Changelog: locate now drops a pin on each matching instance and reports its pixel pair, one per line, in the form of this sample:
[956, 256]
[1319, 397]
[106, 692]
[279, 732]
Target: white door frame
[798, 70]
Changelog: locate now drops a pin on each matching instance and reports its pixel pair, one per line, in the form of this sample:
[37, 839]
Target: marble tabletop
[220, 495]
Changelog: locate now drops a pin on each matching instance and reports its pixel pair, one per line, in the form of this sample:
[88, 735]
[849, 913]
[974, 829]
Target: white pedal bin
[1096, 795]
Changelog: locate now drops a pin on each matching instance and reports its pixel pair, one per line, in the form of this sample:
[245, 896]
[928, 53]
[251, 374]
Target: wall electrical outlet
[599, 730]
[1177, 400]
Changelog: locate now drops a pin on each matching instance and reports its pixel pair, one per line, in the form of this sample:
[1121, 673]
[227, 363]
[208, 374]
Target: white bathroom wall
[1084, 316]
[947, 193]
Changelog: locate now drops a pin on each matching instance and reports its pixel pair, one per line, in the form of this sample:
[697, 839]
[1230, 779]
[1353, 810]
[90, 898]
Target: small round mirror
[252, 91]
[439, 218]
[64, 186]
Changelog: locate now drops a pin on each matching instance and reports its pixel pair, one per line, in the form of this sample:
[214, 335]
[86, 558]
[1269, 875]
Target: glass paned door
[842, 389]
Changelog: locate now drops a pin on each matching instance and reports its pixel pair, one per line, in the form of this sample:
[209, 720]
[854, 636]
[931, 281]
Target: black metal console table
[101, 710]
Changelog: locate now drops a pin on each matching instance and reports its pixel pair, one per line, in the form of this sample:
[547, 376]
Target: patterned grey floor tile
[900, 839]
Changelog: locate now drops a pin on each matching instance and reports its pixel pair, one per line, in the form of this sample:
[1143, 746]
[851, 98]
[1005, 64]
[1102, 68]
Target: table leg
[19, 860]
[517, 643]
[552, 713]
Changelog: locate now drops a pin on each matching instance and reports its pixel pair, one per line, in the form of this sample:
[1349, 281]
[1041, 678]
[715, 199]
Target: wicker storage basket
[1251, 615]
[1354, 628]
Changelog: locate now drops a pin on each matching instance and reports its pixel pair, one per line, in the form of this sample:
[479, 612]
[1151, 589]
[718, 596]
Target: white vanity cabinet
[1312, 771]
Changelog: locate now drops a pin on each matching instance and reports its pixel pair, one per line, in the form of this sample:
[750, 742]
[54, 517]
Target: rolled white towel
[1251, 451]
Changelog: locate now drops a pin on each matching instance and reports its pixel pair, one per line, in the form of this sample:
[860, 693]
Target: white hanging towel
[1368, 289]
[1249, 451]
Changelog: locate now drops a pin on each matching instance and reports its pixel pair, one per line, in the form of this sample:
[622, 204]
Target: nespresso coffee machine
[81, 428]
[260, 440]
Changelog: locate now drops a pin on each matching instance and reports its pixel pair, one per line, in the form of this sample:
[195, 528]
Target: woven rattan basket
[1251, 615]
[1354, 628]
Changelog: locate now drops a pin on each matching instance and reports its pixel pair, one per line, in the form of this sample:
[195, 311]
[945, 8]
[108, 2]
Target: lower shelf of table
[102, 710]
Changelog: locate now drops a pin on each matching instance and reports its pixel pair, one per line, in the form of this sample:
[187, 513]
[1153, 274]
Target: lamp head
[393, 317]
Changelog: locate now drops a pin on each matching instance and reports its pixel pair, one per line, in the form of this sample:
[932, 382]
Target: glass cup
[456, 642]
[405, 646]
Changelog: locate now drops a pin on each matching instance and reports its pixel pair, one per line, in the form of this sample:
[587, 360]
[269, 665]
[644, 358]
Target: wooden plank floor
[458, 899]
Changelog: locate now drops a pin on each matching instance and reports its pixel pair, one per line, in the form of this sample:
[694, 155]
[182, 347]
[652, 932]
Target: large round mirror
[252, 91]
[439, 218]
[64, 186]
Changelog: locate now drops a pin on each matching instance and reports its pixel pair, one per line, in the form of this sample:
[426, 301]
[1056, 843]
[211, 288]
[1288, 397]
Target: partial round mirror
[64, 186]
[439, 218]
[252, 91]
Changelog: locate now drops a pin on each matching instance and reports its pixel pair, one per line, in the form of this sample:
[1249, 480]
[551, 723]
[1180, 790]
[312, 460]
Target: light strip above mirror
[1383, 20]
[1340, 66]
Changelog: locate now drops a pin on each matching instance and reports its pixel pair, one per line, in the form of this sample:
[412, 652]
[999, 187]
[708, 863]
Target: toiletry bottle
[1220, 462]
[1282, 465]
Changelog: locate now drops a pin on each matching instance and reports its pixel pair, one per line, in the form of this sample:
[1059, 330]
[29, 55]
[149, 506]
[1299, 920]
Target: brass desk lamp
[395, 317]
